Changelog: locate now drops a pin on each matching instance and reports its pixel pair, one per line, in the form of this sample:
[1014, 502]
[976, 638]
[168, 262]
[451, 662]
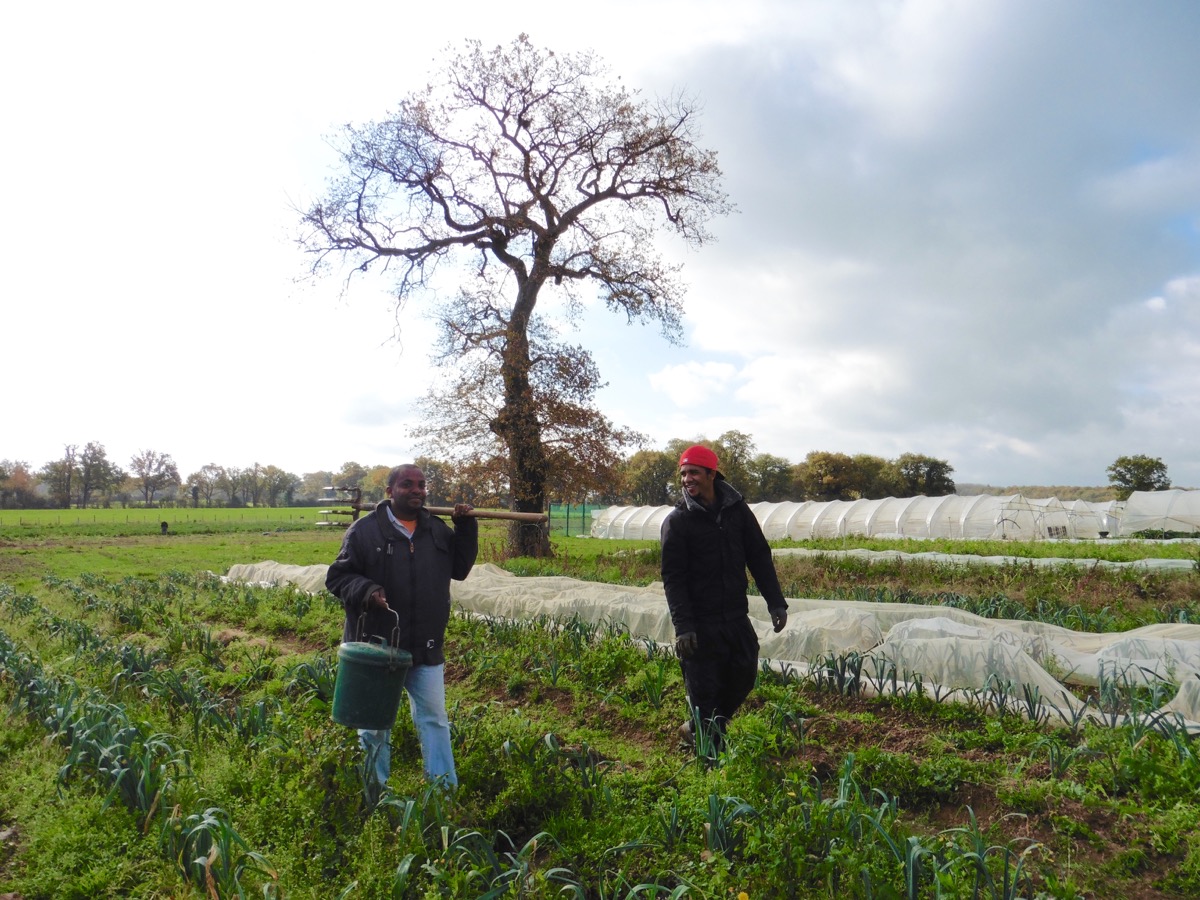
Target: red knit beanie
[699, 456]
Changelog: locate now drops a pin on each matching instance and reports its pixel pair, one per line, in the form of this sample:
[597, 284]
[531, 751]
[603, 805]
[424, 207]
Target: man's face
[407, 492]
[698, 482]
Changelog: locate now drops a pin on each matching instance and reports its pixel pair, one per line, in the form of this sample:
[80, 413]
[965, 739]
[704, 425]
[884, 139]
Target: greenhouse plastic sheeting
[979, 517]
[630, 523]
[951, 648]
[1172, 510]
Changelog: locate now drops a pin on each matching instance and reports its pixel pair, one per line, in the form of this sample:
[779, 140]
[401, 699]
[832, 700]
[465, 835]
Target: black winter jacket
[415, 577]
[705, 554]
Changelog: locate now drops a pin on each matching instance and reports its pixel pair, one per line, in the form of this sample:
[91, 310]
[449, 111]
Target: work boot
[686, 736]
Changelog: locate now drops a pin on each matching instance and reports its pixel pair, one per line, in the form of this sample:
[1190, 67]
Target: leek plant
[654, 681]
[299, 605]
[551, 665]
[841, 673]
[216, 858]
[722, 824]
[881, 674]
[592, 770]
[998, 693]
[312, 679]
[973, 848]
[671, 829]
[255, 724]
[1060, 757]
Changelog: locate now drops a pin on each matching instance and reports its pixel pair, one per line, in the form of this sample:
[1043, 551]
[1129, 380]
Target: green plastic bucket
[370, 680]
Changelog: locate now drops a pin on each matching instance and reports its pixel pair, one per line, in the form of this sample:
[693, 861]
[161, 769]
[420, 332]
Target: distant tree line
[649, 477]
[85, 477]
[1064, 492]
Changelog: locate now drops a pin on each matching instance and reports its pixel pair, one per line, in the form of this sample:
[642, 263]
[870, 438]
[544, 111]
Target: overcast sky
[965, 228]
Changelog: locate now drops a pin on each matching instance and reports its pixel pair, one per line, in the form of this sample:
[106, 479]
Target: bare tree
[153, 471]
[536, 169]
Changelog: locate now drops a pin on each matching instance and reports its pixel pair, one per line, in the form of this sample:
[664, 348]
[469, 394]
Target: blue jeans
[426, 691]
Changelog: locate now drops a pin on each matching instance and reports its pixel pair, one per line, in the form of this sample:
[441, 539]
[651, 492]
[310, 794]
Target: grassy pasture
[168, 736]
[17, 522]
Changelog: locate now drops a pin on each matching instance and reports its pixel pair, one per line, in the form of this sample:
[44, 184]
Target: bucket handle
[362, 624]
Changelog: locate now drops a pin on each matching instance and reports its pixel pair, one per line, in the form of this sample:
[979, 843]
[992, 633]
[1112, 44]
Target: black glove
[686, 644]
[778, 619]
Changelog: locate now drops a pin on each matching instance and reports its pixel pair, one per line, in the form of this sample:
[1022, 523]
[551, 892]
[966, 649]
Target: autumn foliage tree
[17, 484]
[514, 170]
[837, 476]
[825, 476]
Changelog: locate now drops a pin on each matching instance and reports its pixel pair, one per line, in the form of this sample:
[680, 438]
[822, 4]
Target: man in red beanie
[709, 540]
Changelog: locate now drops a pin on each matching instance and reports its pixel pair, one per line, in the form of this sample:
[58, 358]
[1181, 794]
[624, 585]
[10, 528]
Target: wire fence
[572, 519]
[566, 519]
[270, 516]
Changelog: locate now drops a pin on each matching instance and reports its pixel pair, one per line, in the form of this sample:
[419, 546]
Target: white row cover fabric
[970, 559]
[951, 650]
[980, 517]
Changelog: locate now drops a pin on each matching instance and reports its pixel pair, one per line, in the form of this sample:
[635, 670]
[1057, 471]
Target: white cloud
[694, 385]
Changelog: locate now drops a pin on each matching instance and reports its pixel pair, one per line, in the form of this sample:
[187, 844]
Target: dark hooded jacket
[415, 577]
[705, 555]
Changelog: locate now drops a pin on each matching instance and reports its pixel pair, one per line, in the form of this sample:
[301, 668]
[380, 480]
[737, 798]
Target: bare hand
[378, 599]
[461, 510]
[779, 619]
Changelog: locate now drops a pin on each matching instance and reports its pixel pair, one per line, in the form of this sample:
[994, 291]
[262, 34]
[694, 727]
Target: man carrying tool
[709, 540]
[400, 559]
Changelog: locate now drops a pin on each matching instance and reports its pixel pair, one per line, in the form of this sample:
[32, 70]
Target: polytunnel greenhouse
[1172, 510]
[979, 517]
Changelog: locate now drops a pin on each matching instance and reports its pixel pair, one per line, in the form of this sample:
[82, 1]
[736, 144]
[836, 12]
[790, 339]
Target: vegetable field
[166, 734]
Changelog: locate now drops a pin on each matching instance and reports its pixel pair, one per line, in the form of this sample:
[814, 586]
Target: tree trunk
[519, 428]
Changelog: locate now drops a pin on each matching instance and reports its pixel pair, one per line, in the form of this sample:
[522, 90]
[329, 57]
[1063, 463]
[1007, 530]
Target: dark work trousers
[722, 671]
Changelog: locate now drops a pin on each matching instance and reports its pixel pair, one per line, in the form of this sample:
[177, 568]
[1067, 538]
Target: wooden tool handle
[491, 514]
